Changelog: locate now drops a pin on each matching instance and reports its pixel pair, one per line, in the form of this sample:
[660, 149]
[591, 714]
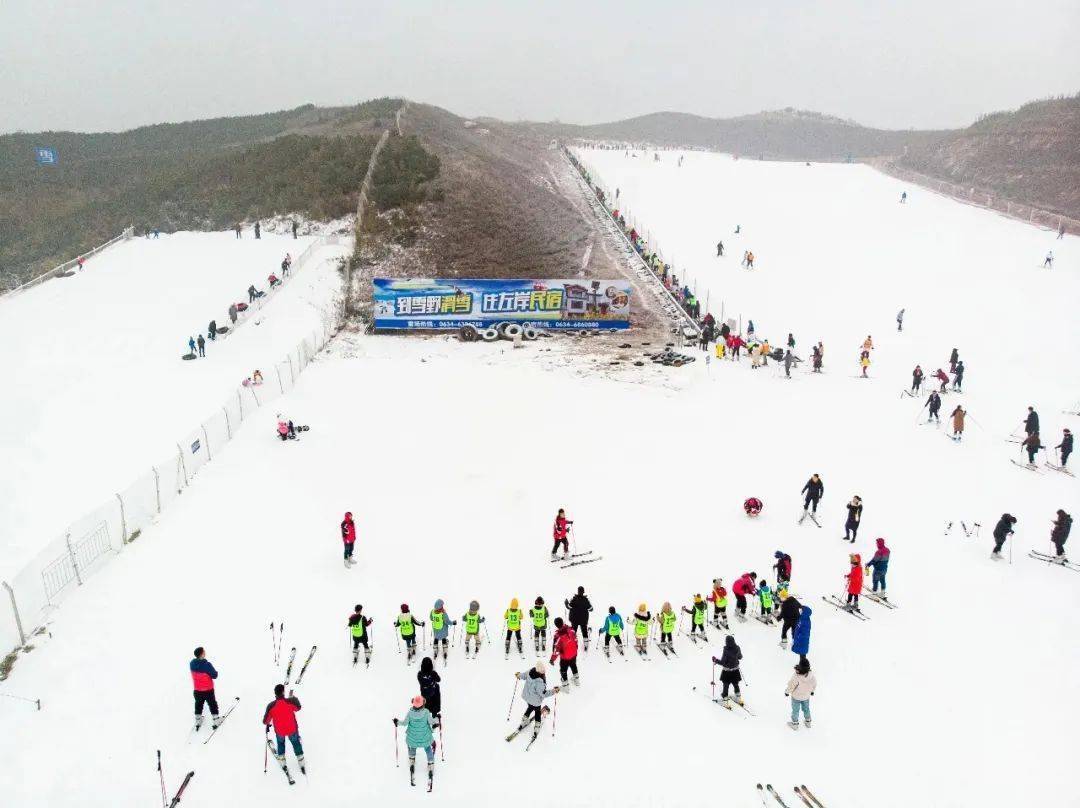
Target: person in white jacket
[800, 688]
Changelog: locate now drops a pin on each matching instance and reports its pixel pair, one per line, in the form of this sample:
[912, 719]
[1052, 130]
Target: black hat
[279, 690]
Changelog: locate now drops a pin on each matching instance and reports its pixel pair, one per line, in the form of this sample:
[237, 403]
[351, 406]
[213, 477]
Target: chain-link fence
[88, 543]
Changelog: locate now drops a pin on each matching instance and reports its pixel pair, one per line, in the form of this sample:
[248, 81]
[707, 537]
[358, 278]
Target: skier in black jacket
[578, 608]
[790, 609]
[1002, 531]
[814, 490]
[1060, 533]
[916, 379]
[1066, 447]
[1031, 423]
[934, 402]
[429, 686]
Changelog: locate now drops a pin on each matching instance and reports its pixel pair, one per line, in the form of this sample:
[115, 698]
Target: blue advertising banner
[45, 157]
[450, 303]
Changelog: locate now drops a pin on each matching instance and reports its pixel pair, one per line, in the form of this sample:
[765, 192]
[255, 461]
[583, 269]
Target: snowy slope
[454, 459]
[97, 390]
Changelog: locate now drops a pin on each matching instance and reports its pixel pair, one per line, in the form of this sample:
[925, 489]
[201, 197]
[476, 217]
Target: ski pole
[161, 775]
[397, 640]
[713, 682]
[442, 743]
[273, 641]
[266, 749]
[281, 635]
[397, 763]
[554, 713]
[512, 699]
[486, 635]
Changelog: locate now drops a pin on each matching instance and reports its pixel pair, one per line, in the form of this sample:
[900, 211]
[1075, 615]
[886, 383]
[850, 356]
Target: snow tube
[468, 333]
[188, 356]
[223, 330]
[512, 331]
[528, 332]
[489, 334]
[501, 327]
[753, 506]
[583, 333]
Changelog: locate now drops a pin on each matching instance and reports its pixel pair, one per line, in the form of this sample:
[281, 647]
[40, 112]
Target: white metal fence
[93, 540]
[74, 262]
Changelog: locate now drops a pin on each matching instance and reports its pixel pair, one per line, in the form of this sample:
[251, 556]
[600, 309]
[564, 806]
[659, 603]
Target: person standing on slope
[203, 675]
[559, 534]
[864, 363]
[718, 598]
[800, 688]
[539, 614]
[419, 723]
[916, 380]
[348, 538]
[958, 422]
[934, 403]
[782, 568]
[854, 517]
[1002, 531]
[745, 586]
[281, 715]
[814, 490]
[358, 628]
[406, 624]
[730, 676]
[512, 620]
[1031, 422]
[765, 601]
[854, 579]
[719, 249]
[789, 616]
[429, 686]
[958, 377]
[472, 620]
[1048, 262]
[612, 630]
[942, 377]
[816, 359]
[1066, 446]
[440, 629]
[577, 609]
[954, 357]
[667, 621]
[900, 320]
[1059, 534]
[534, 691]
[697, 617]
[564, 648]
[641, 620]
[1031, 444]
[879, 564]
[202, 345]
[800, 637]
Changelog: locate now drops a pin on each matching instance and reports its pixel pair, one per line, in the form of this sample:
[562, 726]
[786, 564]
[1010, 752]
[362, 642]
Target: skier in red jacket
[854, 581]
[281, 714]
[348, 536]
[564, 648]
[559, 533]
[746, 585]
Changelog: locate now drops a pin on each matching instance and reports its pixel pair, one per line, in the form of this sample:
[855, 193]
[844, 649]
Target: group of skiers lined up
[1059, 534]
[238, 228]
[1032, 444]
[729, 345]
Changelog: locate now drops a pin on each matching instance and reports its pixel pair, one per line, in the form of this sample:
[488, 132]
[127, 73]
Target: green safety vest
[766, 599]
[613, 629]
[472, 623]
[513, 619]
[438, 619]
[699, 616]
[539, 616]
[358, 628]
[720, 602]
[405, 623]
[667, 622]
[641, 627]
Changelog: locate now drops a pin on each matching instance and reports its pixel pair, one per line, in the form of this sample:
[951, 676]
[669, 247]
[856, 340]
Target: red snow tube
[753, 506]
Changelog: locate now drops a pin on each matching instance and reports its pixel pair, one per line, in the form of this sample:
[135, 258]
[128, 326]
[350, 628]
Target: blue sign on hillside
[45, 157]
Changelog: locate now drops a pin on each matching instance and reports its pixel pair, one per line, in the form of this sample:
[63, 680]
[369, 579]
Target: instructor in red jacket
[281, 714]
[348, 536]
[564, 648]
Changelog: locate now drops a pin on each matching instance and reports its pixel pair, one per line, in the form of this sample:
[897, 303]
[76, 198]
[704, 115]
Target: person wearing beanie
[440, 629]
[1066, 447]
[765, 601]
[666, 619]
[879, 564]
[559, 534]
[578, 608]
[358, 625]
[718, 598]
[1002, 530]
[419, 723]
[533, 692]
[429, 686]
[854, 517]
[406, 624]
[854, 579]
[640, 621]
[512, 620]
[564, 647]
[539, 614]
[800, 688]
[783, 568]
[473, 621]
[814, 490]
[348, 538]
[697, 618]
[612, 630]
[746, 585]
[281, 715]
[1059, 534]
[203, 675]
[728, 661]
[789, 615]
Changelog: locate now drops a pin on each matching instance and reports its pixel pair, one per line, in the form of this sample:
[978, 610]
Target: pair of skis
[219, 723]
[1029, 466]
[832, 600]
[576, 559]
[1062, 469]
[813, 517]
[802, 792]
[304, 667]
[1049, 559]
[869, 594]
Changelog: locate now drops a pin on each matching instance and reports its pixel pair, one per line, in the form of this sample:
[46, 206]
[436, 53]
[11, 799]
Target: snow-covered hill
[454, 459]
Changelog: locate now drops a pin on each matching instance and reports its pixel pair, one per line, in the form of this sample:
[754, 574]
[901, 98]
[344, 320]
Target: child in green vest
[358, 625]
[472, 621]
[512, 618]
[765, 598]
[667, 621]
[641, 620]
[539, 614]
[697, 615]
[406, 624]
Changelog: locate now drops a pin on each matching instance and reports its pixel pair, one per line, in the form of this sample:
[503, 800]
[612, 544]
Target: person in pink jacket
[746, 585]
[348, 537]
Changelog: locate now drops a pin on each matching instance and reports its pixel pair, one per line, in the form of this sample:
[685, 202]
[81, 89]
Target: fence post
[183, 465]
[291, 373]
[15, 611]
[279, 384]
[240, 401]
[123, 522]
[71, 555]
[207, 439]
[228, 428]
[157, 488]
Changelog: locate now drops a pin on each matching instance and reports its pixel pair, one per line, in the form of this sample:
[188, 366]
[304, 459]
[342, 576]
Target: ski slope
[96, 389]
[454, 458]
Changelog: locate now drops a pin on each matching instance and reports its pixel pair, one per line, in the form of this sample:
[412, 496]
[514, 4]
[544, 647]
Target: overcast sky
[116, 64]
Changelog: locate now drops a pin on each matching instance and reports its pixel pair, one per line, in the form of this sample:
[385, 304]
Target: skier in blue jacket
[800, 637]
[419, 723]
[612, 630]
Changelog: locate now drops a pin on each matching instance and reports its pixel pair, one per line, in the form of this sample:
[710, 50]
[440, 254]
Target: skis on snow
[884, 601]
[568, 556]
[832, 600]
[1049, 559]
[304, 667]
[222, 721]
[813, 518]
[806, 793]
[1029, 466]
[180, 791]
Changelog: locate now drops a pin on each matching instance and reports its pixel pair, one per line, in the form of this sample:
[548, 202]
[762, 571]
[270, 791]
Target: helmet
[438, 604]
[539, 601]
[753, 506]
[697, 598]
[641, 607]
[778, 554]
[404, 607]
[474, 606]
[513, 603]
[418, 702]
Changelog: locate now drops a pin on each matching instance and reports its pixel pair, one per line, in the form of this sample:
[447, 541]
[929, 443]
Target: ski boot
[783, 644]
[412, 771]
[300, 763]
[367, 658]
[521, 650]
[808, 723]
[620, 649]
[198, 722]
[216, 722]
[793, 724]
[577, 681]
[739, 700]
[607, 652]
[507, 650]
